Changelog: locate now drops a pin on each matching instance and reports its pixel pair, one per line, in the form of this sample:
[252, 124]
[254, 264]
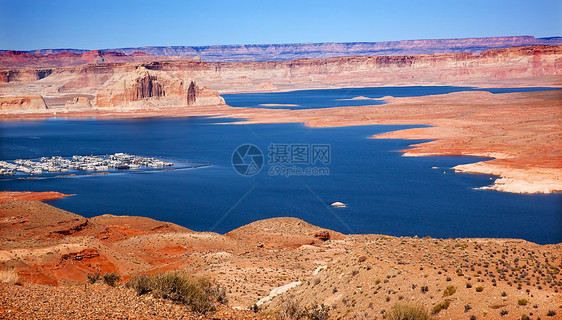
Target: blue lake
[330, 98]
[385, 193]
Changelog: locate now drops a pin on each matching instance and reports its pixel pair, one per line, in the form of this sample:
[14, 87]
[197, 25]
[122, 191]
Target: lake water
[329, 98]
[384, 192]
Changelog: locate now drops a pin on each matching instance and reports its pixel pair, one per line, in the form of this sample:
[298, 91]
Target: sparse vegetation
[316, 312]
[9, 276]
[94, 277]
[291, 309]
[449, 291]
[551, 313]
[440, 306]
[479, 289]
[522, 302]
[111, 279]
[199, 293]
[405, 311]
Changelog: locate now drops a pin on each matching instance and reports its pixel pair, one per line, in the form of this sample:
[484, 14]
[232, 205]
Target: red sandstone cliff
[119, 85]
[17, 59]
[509, 63]
[145, 88]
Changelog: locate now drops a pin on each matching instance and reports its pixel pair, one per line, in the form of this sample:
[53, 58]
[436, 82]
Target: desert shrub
[406, 311]
[449, 291]
[316, 312]
[199, 293]
[479, 289]
[440, 306]
[93, 278]
[522, 302]
[525, 317]
[289, 309]
[141, 284]
[467, 307]
[551, 313]
[503, 313]
[424, 289]
[111, 279]
[9, 276]
[254, 308]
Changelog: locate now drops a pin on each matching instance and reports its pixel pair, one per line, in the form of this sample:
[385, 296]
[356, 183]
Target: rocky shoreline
[356, 275]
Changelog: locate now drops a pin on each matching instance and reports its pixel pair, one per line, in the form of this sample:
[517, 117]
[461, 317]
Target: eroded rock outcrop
[191, 94]
[78, 103]
[145, 89]
[22, 104]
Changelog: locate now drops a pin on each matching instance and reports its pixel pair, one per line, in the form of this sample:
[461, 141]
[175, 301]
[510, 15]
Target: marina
[88, 164]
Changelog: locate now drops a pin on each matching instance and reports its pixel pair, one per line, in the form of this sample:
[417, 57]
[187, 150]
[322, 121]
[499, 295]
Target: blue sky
[84, 24]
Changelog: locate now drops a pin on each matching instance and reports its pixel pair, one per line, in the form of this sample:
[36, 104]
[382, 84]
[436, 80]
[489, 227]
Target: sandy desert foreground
[357, 276]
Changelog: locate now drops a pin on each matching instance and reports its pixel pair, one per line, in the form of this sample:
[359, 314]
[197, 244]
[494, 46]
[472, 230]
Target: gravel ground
[95, 302]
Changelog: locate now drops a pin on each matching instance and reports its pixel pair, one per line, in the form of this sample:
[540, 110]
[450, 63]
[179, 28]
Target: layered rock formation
[292, 51]
[22, 104]
[64, 58]
[518, 64]
[148, 89]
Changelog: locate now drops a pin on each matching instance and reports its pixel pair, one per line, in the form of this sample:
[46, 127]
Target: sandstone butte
[520, 131]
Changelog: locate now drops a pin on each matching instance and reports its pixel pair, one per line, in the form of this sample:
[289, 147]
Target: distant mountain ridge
[283, 52]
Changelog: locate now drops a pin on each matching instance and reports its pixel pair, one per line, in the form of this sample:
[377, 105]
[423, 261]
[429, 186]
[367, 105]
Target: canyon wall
[158, 83]
[18, 59]
[518, 63]
[293, 51]
[150, 89]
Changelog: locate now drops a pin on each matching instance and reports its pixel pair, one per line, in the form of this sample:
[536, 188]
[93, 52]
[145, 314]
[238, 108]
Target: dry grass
[199, 293]
[449, 291]
[9, 276]
[404, 311]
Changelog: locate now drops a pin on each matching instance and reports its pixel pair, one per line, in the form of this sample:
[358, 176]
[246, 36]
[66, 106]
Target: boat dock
[91, 163]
